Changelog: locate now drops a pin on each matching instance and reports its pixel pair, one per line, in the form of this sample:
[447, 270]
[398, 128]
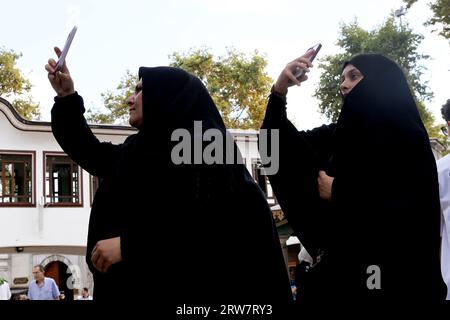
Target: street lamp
[399, 13]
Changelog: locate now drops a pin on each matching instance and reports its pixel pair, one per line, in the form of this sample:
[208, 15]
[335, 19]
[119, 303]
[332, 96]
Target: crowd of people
[41, 288]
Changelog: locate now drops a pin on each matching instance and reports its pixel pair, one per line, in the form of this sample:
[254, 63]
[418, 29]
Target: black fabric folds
[384, 211]
[190, 233]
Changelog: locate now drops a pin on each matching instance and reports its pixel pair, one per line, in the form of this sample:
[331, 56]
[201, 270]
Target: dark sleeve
[319, 139]
[301, 154]
[75, 137]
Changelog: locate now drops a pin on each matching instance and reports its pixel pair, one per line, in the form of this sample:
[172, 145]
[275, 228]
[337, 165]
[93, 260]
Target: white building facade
[45, 200]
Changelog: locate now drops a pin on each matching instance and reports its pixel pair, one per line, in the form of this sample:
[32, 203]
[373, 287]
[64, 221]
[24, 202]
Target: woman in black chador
[168, 232]
[362, 193]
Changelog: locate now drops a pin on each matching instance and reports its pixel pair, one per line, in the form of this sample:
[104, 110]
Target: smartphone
[299, 72]
[63, 55]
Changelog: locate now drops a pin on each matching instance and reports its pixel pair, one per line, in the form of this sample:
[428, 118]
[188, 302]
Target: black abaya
[384, 211]
[189, 233]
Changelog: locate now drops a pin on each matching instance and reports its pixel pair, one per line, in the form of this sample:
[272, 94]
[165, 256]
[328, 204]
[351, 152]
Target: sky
[114, 36]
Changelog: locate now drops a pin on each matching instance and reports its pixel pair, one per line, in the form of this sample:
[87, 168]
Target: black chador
[190, 233]
[378, 237]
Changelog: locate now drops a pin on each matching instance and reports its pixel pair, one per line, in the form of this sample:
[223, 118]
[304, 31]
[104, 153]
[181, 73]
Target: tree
[441, 16]
[27, 108]
[14, 84]
[237, 83]
[116, 103]
[396, 42]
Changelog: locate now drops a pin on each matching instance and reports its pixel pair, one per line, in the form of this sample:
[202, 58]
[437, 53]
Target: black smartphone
[299, 72]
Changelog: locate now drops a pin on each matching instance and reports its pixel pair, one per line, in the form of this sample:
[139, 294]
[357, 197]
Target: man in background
[5, 292]
[85, 294]
[443, 166]
[42, 288]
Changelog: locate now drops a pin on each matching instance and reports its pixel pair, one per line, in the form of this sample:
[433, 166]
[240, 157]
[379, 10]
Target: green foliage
[237, 83]
[13, 83]
[11, 80]
[409, 3]
[440, 18]
[116, 103]
[27, 108]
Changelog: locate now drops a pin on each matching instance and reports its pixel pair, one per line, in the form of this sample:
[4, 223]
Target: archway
[61, 269]
[60, 272]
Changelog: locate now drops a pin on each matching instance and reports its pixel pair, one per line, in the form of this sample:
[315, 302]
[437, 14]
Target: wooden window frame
[32, 194]
[80, 182]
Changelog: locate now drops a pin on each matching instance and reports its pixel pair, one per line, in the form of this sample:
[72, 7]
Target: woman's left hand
[287, 77]
[106, 253]
[325, 183]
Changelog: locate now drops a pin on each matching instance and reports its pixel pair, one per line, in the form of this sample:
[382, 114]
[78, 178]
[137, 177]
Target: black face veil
[379, 117]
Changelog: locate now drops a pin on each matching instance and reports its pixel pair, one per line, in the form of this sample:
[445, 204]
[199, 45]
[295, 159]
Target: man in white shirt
[85, 294]
[5, 292]
[443, 166]
[42, 288]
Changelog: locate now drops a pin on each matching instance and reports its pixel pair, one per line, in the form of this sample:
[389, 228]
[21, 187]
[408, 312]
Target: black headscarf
[173, 99]
[380, 111]
[385, 190]
[379, 128]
